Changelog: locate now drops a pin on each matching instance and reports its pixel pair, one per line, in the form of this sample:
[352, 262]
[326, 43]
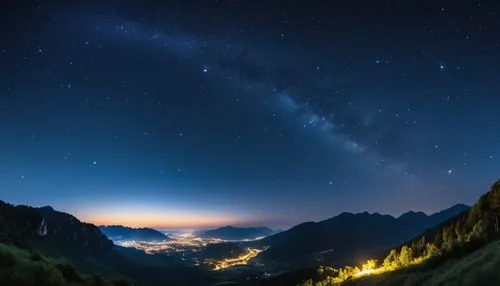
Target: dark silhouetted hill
[118, 232]
[236, 233]
[62, 236]
[462, 250]
[479, 268]
[348, 237]
[21, 267]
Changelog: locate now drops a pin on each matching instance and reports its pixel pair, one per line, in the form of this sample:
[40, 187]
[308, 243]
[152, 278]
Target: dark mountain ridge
[474, 227]
[464, 250]
[236, 233]
[60, 235]
[461, 250]
[343, 238]
[54, 233]
[119, 232]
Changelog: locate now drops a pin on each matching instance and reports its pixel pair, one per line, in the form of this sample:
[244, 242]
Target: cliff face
[83, 245]
[42, 229]
[51, 232]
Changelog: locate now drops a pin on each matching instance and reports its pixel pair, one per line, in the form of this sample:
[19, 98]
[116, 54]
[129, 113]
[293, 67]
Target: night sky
[205, 113]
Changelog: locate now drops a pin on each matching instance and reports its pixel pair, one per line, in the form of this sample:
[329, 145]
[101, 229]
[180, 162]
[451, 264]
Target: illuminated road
[188, 248]
[230, 262]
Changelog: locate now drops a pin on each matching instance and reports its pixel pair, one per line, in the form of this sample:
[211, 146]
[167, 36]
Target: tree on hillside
[431, 250]
[405, 256]
[460, 232]
[438, 239]
[478, 231]
[391, 259]
[448, 237]
[419, 246]
[495, 203]
[369, 265]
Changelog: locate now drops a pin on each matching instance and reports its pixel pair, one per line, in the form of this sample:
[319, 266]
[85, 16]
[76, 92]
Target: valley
[192, 250]
[236, 261]
[307, 254]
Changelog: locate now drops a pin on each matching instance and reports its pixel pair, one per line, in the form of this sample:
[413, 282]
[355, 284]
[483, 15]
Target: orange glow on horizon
[147, 212]
[160, 220]
[161, 223]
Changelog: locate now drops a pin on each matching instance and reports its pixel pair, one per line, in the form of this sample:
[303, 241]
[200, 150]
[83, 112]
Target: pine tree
[431, 250]
[391, 259]
[405, 256]
[494, 200]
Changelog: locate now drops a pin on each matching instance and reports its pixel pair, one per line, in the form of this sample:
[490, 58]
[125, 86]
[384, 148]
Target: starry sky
[203, 113]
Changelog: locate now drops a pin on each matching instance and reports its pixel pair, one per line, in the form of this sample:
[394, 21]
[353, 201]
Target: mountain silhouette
[348, 237]
[60, 235]
[119, 232]
[236, 233]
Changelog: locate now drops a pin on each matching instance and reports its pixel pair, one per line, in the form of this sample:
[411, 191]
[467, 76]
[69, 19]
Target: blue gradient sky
[192, 114]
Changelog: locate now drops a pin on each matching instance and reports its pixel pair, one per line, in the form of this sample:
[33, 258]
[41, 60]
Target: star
[450, 171]
[94, 163]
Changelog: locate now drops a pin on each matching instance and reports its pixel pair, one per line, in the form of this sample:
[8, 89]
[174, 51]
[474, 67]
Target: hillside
[236, 233]
[20, 267]
[343, 238]
[53, 233]
[59, 235]
[456, 251]
[119, 232]
[478, 268]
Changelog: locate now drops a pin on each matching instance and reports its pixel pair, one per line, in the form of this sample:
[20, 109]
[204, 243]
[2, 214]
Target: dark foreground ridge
[463, 250]
[344, 238]
[59, 235]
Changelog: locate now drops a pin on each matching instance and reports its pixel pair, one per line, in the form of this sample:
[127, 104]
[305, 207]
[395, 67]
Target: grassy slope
[22, 268]
[478, 268]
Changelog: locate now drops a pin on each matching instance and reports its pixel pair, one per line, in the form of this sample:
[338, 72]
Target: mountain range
[236, 233]
[119, 232]
[62, 236]
[455, 237]
[462, 250]
[348, 237]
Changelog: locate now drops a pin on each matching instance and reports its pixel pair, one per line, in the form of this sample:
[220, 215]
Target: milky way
[248, 113]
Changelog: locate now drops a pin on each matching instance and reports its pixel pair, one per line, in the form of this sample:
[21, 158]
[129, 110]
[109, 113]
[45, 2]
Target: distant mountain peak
[346, 233]
[348, 215]
[47, 208]
[459, 206]
[229, 232]
[412, 214]
[120, 232]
